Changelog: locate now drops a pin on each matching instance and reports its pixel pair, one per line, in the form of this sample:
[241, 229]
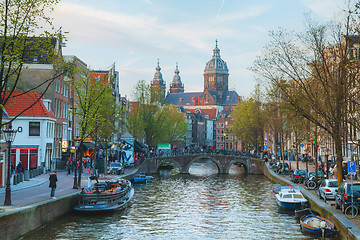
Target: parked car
[328, 189]
[116, 168]
[298, 175]
[347, 192]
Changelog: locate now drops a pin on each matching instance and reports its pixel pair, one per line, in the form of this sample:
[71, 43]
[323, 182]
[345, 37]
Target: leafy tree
[247, 123]
[153, 122]
[170, 125]
[95, 107]
[23, 39]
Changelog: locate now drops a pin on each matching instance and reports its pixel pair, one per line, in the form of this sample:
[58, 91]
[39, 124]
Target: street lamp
[76, 143]
[9, 135]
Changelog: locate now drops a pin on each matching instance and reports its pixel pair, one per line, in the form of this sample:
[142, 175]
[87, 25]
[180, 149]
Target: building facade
[35, 127]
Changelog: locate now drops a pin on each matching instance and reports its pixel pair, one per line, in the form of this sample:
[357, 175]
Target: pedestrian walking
[53, 179]
[68, 166]
[19, 167]
[334, 172]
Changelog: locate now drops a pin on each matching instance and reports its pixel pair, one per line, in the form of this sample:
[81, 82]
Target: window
[34, 128]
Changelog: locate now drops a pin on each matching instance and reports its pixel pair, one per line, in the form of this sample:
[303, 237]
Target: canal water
[203, 205]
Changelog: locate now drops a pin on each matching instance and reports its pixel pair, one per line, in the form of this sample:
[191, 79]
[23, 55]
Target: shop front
[27, 155]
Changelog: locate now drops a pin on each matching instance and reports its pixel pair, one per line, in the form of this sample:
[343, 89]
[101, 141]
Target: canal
[202, 205]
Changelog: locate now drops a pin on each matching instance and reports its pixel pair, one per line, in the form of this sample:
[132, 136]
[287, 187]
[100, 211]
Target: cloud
[318, 7]
[221, 6]
[94, 25]
[245, 13]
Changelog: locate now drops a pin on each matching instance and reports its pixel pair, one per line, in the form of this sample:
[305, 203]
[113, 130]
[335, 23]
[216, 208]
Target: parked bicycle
[352, 210]
[312, 184]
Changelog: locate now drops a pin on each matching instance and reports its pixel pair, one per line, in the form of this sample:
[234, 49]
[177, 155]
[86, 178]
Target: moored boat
[299, 213]
[316, 225]
[277, 187]
[290, 198]
[141, 178]
[105, 196]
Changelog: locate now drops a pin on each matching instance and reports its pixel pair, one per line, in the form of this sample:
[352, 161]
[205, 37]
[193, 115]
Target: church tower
[158, 85]
[216, 75]
[176, 85]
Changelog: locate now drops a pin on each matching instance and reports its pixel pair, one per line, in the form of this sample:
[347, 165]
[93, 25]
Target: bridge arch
[184, 161]
[169, 161]
[241, 163]
[196, 159]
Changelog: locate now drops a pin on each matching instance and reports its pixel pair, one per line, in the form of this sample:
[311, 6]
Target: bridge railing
[205, 152]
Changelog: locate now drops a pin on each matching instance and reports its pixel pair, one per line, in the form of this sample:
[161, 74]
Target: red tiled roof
[210, 112]
[17, 103]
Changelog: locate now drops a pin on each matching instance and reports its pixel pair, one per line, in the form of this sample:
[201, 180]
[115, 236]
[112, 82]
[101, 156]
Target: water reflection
[204, 205]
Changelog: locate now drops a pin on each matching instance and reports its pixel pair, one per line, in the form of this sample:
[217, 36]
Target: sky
[134, 34]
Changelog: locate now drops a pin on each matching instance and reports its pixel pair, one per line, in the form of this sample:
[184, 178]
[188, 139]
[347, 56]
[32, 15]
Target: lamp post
[9, 135]
[76, 143]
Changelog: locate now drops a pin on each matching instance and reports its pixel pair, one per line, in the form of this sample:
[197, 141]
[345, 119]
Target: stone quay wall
[346, 228]
[19, 221]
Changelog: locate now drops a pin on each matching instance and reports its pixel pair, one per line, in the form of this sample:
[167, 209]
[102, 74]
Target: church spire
[158, 82]
[176, 85]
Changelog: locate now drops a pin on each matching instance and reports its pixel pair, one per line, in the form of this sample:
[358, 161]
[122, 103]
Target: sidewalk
[38, 180]
[37, 189]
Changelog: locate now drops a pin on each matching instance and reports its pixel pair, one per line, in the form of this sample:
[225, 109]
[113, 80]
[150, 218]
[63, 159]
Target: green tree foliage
[170, 125]
[155, 123]
[95, 107]
[247, 123]
[23, 39]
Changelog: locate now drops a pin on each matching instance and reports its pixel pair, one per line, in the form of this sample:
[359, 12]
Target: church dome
[216, 64]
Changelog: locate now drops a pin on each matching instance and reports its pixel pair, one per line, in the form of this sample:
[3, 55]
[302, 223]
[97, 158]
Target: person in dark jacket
[19, 167]
[53, 179]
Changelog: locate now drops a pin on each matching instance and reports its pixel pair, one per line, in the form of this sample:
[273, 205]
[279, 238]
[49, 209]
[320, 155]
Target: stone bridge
[223, 163]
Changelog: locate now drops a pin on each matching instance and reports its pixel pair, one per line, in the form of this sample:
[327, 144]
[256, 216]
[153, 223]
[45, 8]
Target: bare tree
[320, 75]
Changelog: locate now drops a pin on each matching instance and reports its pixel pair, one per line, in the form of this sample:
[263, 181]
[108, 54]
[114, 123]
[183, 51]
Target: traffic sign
[302, 145]
[265, 146]
[351, 167]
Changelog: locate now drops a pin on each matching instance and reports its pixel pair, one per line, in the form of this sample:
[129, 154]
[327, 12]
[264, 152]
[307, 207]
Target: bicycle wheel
[311, 185]
[351, 211]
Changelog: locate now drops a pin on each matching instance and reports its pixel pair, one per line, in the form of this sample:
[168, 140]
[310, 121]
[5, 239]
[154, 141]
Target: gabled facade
[35, 127]
[225, 139]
